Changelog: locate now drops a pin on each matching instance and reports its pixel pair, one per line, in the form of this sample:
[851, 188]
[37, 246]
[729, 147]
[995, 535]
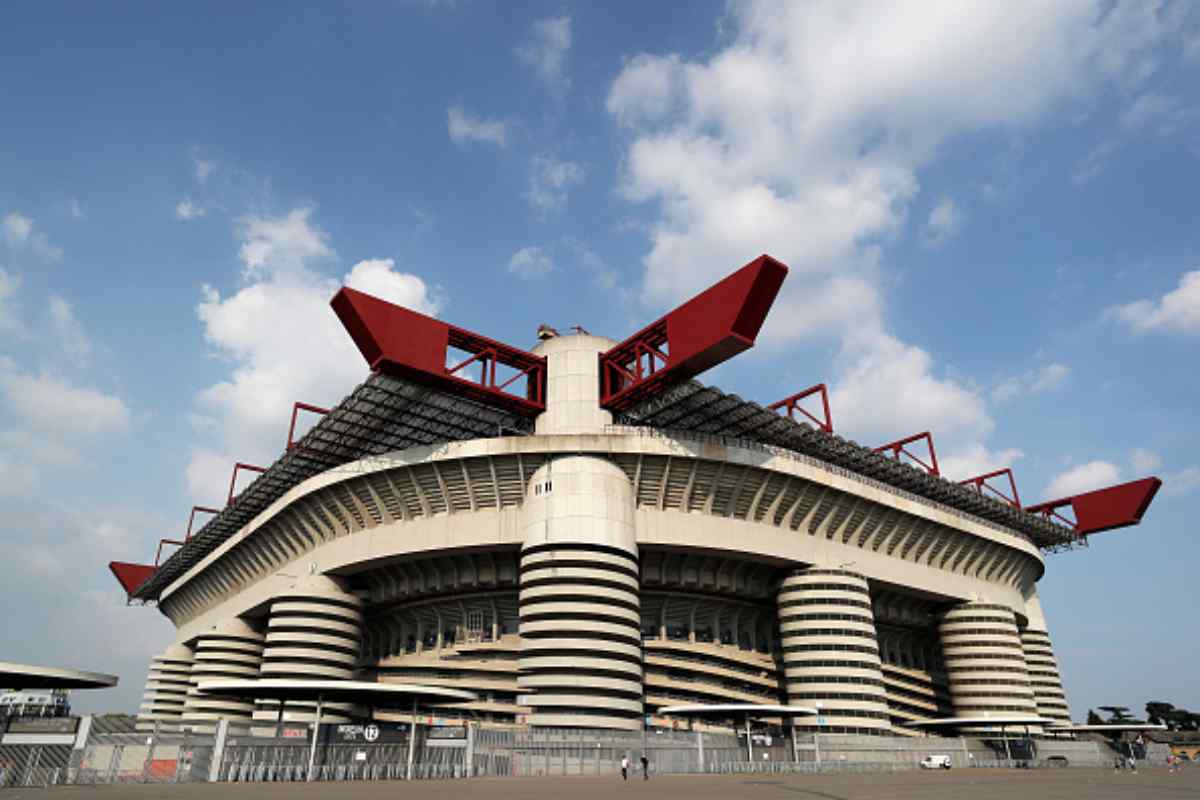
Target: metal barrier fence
[242, 754]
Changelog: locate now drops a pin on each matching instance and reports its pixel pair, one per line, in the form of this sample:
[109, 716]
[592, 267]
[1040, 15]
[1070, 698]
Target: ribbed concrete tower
[314, 632]
[1043, 668]
[233, 649]
[166, 687]
[580, 619]
[830, 651]
[985, 661]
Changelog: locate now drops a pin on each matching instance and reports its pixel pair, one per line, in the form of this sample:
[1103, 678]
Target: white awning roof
[365, 692]
[996, 720]
[727, 710]
[1140, 726]
[27, 676]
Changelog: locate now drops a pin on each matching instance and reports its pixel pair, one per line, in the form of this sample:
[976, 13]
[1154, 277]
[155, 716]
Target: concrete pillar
[580, 619]
[1044, 677]
[830, 651]
[232, 649]
[314, 633]
[166, 687]
[985, 662]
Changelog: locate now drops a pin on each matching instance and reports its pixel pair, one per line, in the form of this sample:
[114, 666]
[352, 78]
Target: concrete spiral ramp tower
[233, 649]
[166, 687]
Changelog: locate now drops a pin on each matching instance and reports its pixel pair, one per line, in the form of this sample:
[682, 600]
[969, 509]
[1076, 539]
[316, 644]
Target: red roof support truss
[713, 326]
[980, 482]
[233, 478]
[296, 409]
[1104, 509]
[410, 345]
[791, 404]
[897, 449]
[192, 518]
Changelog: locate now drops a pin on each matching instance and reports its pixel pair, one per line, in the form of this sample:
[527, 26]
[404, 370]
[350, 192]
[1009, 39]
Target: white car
[935, 762]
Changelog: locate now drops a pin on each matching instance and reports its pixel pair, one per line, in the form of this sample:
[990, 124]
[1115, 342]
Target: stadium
[585, 536]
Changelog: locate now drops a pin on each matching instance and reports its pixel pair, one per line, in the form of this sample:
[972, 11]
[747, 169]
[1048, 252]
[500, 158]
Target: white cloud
[465, 128]
[1182, 482]
[530, 262]
[282, 341]
[545, 51]
[976, 459]
[944, 223]
[77, 211]
[187, 210]
[1049, 377]
[21, 231]
[1176, 311]
[50, 403]
[67, 328]
[550, 183]
[279, 246]
[1144, 461]
[9, 285]
[1082, 478]
[1045, 378]
[202, 167]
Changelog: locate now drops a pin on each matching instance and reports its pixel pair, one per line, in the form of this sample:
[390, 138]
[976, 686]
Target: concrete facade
[592, 573]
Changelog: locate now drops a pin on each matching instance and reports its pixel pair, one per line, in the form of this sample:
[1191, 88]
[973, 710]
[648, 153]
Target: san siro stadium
[584, 535]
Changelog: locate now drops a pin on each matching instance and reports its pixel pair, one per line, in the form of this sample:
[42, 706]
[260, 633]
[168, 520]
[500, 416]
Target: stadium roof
[27, 676]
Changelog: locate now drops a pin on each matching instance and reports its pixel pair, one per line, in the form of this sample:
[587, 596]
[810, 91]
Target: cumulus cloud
[48, 402]
[944, 223]
[466, 128]
[1144, 461]
[20, 231]
[282, 342]
[545, 51]
[803, 136]
[530, 262]
[68, 330]
[76, 209]
[187, 210]
[202, 167]
[1083, 478]
[1045, 378]
[1182, 482]
[1178, 311]
[9, 285]
[550, 183]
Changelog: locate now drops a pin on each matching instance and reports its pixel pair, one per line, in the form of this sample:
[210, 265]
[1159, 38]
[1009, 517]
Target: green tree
[1157, 711]
[1093, 718]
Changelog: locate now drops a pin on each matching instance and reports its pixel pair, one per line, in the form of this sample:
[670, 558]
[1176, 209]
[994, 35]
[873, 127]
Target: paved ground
[960, 784]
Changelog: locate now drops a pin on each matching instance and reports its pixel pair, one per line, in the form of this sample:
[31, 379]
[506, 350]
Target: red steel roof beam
[161, 542]
[402, 342]
[192, 518]
[130, 576]
[897, 449]
[980, 482]
[712, 327]
[791, 404]
[1105, 509]
[233, 479]
[296, 409]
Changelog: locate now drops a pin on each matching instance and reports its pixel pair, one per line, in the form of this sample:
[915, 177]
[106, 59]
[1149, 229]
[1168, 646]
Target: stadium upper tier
[412, 399]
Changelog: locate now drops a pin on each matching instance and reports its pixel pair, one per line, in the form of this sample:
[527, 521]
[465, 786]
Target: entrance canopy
[1130, 728]
[27, 676]
[379, 695]
[736, 711]
[995, 721]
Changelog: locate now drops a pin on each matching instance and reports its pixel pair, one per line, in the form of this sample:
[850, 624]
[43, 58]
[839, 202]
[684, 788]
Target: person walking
[645, 768]
[624, 768]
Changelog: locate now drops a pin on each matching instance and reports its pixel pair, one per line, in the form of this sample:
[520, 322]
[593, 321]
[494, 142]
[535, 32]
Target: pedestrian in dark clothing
[645, 768]
[624, 768]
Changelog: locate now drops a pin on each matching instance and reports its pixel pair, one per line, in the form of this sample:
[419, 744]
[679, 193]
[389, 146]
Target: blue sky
[989, 213]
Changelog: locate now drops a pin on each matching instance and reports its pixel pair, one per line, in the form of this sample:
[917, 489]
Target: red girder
[233, 479]
[713, 326]
[130, 576]
[980, 482]
[1103, 509]
[791, 404]
[897, 449]
[161, 542]
[296, 409]
[192, 518]
[407, 344]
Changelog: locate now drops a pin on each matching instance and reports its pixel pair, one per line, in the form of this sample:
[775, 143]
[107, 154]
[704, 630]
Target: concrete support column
[831, 652]
[985, 661]
[1044, 677]
[580, 619]
[314, 633]
[232, 649]
[166, 687]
